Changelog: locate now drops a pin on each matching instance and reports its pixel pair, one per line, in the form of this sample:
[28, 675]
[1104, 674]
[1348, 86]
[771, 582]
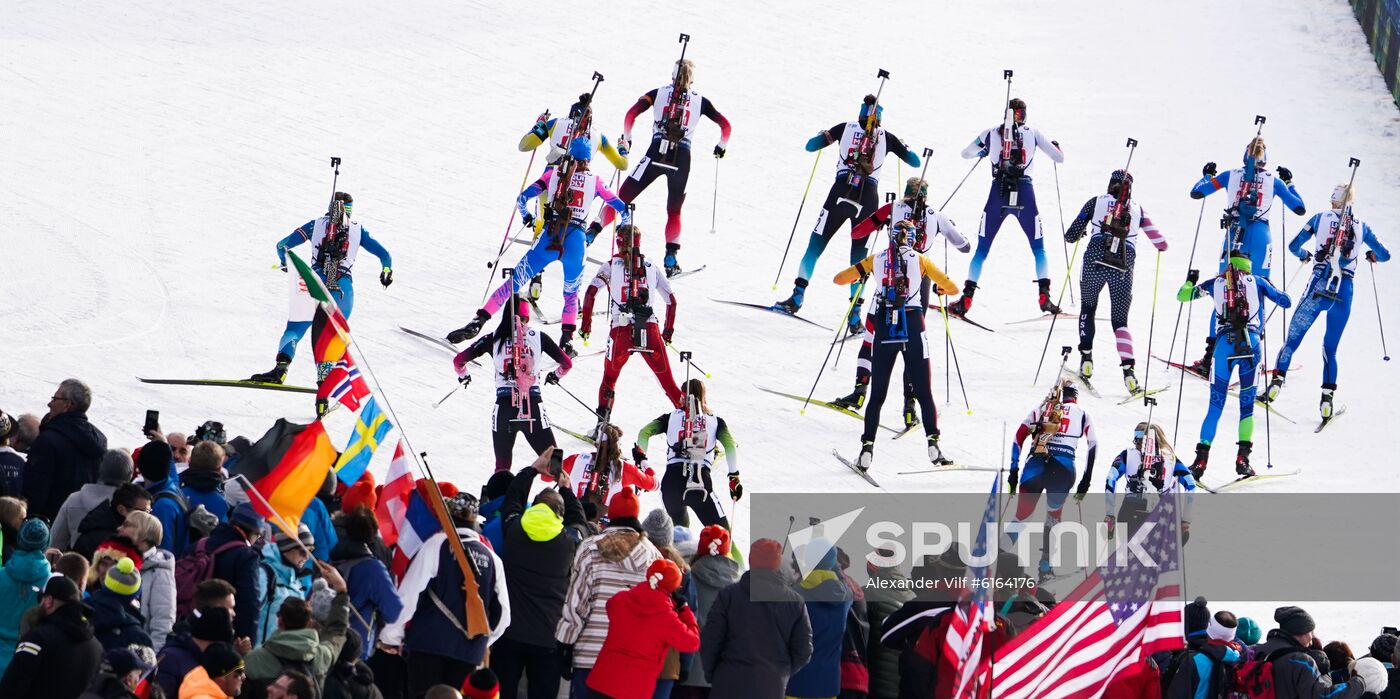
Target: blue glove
[624, 145]
[982, 153]
[1285, 301]
[1305, 256]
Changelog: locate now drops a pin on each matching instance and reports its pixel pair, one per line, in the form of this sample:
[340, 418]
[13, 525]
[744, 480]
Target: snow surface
[155, 153]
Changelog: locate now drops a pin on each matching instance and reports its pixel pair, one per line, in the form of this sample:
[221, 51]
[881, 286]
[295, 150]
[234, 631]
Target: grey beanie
[659, 528]
[116, 468]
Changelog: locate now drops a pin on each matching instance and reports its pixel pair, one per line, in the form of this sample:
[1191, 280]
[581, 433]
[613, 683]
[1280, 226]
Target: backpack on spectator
[1252, 679]
[194, 568]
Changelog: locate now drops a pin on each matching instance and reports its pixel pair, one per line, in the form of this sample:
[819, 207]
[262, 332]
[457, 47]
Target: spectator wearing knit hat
[122, 672]
[1296, 674]
[493, 494]
[115, 619]
[828, 602]
[157, 467]
[1212, 653]
[207, 625]
[287, 558]
[438, 648]
[660, 532]
[115, 469]
[23, 575]
[757, 632]
[605, 565]
[711, 570]
[372, 591]
[483, 684]
[646, 622]
[59, 657]
[157, 575]
[540, 543]
[219, 675]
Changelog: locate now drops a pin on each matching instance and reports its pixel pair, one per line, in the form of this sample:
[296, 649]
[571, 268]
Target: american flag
[1115, 618]
[974, 616]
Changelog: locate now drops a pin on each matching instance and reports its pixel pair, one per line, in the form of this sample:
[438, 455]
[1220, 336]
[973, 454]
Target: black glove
[1011, 481]
[736, 487]
[1209, 170]
[593, 230]
[1371, 256]
[1083, 488]
[465, 380]
[528, 219]
[565, 654]
[667, 334]
[1285, 174]
[1193, 275]
[386, 277]
[638, 456]
[678, 601]
[1055, 144]
[719, 151]
[552, 378]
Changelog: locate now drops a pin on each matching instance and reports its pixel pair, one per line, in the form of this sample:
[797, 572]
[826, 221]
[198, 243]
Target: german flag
[287, 467]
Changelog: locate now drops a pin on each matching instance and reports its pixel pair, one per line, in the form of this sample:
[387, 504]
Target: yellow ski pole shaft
[796, 220]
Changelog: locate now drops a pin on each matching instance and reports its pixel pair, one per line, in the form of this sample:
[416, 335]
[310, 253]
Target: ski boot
[793, 303]
[1086, 364]
[855, 400]
[672, 268]
[911, 417]
[1045, 303]
[1242, 466]
[597, 432]
[323, 406]
[1198, 467]
[1130, 381]
[855, 323]
[470, 330]
[867, 456]
[1275, 387]
[961, 306]
[1325, 406]
[566, 341]
[278, 374]
[536, 287]
[1202, 366]
[935, 454]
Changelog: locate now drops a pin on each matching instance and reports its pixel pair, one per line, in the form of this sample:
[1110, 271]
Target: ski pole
[1064, 244]
[960, 182]
[576, 398]
[1191, 276]
[1296, 275]
[1056, 317]
[948, 347]
[1151, 328]
[1190, 262]
[1385, 353]
[796, 220]
[685, 356]
[840, 328]
[714, 198]
[859, 292]
[947, 339]
[1264, 370]
[506, 236]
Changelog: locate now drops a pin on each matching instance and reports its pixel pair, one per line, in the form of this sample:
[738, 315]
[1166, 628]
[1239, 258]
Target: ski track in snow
[155, 154]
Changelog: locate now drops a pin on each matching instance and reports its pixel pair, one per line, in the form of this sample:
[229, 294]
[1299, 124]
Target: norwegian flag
[393, 498]
[1121, 614]
[973, 617]
[344, 383]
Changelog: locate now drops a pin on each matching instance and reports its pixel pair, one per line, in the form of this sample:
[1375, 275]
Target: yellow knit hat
[123, 578]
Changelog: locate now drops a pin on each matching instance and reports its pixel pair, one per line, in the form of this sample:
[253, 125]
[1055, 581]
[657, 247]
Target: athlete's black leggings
[1093, 278]
[843, 203]
[676, 498]
[504, 426]
[916, 354]
[675, 167]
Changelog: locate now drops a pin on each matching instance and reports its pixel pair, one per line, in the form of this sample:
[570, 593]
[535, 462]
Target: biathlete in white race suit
[928, 223]
[634, 288]
[1150, 465]
[1011, 194]
[1054, 428]
[1112, 222]
[516, 349]
[564, 239]
[899, 271]
[675, 112]
[693, 433]
[598, 484]
[862, 145]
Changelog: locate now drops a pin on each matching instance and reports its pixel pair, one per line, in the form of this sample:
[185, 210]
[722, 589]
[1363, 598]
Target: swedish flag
[370, 428]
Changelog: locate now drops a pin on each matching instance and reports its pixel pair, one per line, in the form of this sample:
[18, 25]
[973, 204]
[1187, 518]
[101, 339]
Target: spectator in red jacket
[645, 621]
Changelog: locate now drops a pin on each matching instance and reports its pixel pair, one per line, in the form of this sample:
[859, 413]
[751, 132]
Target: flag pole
[287, 529]
[477, 622]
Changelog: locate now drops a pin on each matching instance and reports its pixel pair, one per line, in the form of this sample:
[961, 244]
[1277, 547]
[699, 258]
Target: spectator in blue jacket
[203, 482]
[157, 466]
[20, 580]
[372, 592]
[828, 600]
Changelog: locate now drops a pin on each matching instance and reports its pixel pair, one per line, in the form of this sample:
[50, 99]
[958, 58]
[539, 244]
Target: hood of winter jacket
[81, 435]
[645, 601]
[297, 645]
[624, 547]
[69, 621]
[27, 568]
[101, 518]
[156, 559]
[93, 494]
[715, 571]
[540, 523]
[202, 480]
[347, 550]
[824, 586]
